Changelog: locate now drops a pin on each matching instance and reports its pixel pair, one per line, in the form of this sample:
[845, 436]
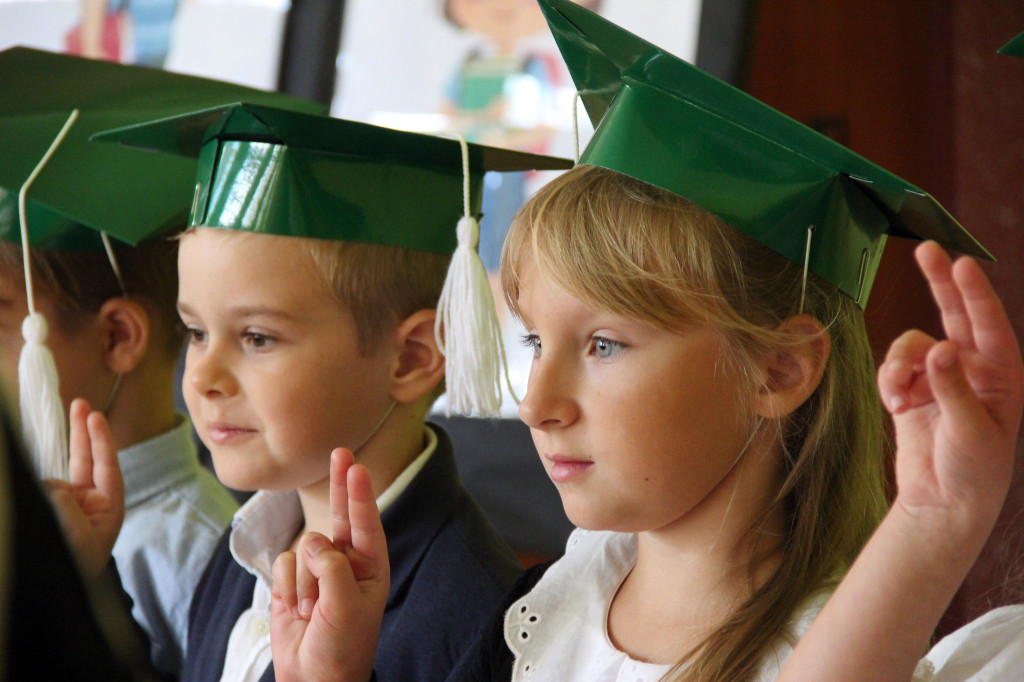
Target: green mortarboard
[125, 193]
[1014, 48]
[266, 170]
[666, 122]
[263, 169]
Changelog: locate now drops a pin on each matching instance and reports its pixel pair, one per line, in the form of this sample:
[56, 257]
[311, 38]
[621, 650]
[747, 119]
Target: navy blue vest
[449, 570]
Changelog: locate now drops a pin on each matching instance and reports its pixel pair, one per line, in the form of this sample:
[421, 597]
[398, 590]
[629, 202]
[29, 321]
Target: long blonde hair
[633, 249]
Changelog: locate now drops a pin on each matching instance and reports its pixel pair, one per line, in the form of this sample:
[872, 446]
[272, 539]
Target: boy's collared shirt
[263, 528]
[169, 497]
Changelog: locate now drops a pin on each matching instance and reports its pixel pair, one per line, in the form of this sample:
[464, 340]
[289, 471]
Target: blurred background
[914, 85]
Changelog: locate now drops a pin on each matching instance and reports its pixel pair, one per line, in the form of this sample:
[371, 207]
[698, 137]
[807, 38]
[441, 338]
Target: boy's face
[274, 379]
[79, 356]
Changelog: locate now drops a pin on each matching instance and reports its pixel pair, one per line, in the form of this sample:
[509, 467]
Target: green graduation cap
[266, 170]
[666, 122]
[123, 192]
[1014, 48]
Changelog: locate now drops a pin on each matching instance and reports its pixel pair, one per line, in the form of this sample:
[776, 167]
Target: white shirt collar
[267, 523]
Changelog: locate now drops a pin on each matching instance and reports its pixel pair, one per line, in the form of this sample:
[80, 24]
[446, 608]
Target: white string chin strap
[576, 126]
[732, 496]
[377, 427]
[467, 328]
[807, 264]
[109, 248]
[42, 413]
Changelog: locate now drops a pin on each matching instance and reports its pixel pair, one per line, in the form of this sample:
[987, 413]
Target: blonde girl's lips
[564, 469]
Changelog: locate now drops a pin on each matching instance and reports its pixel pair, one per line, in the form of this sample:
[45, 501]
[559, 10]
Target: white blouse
[988, 649]
[559, 630]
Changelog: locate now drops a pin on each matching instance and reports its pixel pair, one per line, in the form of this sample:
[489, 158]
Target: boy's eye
[195, 335]
[257, 340]
[605, 348]
[531, 341]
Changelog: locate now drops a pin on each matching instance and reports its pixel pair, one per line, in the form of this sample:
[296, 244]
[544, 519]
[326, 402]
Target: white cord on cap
[42, 413]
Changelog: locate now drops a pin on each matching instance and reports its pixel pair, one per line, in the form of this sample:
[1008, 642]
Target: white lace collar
[558, 631]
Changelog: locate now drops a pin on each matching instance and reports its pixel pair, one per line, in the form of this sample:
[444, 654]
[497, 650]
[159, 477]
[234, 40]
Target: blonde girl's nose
[548, 402]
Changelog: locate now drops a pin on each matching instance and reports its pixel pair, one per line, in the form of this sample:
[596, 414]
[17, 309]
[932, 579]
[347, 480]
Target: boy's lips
[223, 434]
[565, 468]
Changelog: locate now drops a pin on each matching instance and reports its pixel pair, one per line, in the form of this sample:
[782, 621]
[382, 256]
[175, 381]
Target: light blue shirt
[175, 512]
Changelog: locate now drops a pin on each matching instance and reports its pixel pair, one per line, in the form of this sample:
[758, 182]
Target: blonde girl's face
[636, 426]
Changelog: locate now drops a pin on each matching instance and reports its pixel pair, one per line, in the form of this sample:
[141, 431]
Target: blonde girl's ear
[418, 365]
[793, 369]
[126, 329]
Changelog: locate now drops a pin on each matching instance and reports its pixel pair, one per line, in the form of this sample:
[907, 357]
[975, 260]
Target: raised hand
[328, 598]
[956, 403]
[91, 506]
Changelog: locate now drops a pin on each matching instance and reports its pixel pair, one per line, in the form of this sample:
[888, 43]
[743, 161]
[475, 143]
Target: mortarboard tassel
[42, 412]
[472, 342]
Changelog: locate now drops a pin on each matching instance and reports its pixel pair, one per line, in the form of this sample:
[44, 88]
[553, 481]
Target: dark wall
[917, 86]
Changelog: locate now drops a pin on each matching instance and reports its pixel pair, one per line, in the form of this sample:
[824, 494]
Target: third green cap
[86, 187]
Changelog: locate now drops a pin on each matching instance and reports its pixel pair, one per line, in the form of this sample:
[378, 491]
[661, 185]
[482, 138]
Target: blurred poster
[489, 70]
[232, 40]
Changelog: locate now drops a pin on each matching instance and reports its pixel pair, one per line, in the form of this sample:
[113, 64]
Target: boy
[113, 322]
[316, 330]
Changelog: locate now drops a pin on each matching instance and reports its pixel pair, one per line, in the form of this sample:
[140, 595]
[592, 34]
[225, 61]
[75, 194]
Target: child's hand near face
[956, 403]
[91, 506]
[328, 598]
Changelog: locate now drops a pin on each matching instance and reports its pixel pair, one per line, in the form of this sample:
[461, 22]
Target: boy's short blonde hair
[78, 283]
[380, 285]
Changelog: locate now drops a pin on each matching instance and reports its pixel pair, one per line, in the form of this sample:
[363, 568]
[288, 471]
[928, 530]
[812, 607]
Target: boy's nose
[208, 375]
[548, 402]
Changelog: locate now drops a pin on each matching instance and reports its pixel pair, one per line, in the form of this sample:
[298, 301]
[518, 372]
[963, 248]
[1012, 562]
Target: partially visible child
[702, 391]
[115, 337]
[309, 287]
[119, 349]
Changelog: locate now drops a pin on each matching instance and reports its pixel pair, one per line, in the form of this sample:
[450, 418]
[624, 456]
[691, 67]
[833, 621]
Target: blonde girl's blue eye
[531, 341]
[606, 348]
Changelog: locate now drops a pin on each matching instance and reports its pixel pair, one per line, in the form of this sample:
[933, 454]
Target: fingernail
[306, 607]
[315, 545]
[896, 402]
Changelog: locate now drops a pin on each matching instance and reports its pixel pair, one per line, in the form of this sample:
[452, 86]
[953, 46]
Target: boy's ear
[418, 366]
[792, 372]
[126, 330]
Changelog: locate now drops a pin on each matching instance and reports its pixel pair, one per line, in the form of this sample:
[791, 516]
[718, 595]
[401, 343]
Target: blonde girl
[702, 391]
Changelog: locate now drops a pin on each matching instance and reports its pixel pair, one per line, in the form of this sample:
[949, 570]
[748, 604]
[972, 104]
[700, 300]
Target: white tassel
[42, 413]
[472, 341]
